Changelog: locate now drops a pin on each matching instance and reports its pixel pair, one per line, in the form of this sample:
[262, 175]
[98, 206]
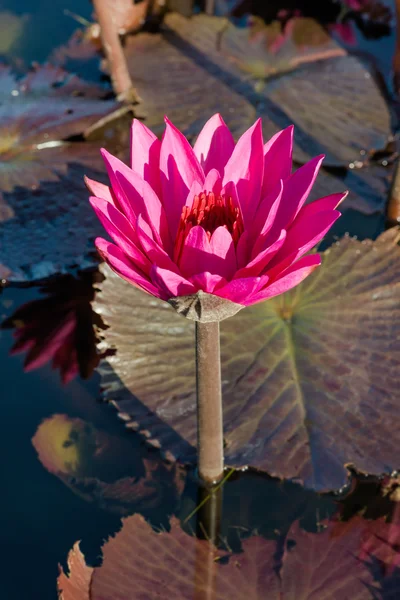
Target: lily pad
[98, 466]
[45, 221]
[341, 129]
[310, 378]
[332, 118]
[139, 563]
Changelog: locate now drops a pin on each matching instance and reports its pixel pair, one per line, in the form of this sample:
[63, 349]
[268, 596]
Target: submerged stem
[209, 403]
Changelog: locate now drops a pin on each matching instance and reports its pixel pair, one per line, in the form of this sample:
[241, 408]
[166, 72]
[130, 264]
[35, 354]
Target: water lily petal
[151, 248]
[125, 268]
[171, 284]
[100, 190]
[145, 155]
[245, 169]
[121, 231]
[303, 235]
[288, 280]
[216, 256]
[146, 202]
[179, 169]
[264, 220]
[260, 262]
[207, 281]
[327, 203]
[214, 145]
[277, 159]
[213, 182]
[239, 290]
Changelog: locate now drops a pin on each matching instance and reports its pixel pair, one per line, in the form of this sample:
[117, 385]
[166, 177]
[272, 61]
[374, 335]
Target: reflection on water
[73, 471]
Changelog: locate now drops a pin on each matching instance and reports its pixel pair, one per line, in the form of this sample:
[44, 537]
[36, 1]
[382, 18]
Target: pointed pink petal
[238, 290]
[171, 284]
[245, 169]
[303, 235]
[207, 281]
[295, 192]
[146, 202]
[213, 182]
[288, 280]
[195, 190]
[121, 264]
[264, 220]
[179, 168]
[121, 231]
[216, 256]
[114, 166]
[155, 253]
[258, 264]
[277, 159]
[242, 250]
[100, 190]
[214, 145]
[222, 247]
[322, 204]
[145, 155]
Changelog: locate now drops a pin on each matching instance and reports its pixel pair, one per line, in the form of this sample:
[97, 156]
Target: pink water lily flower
[226, 219]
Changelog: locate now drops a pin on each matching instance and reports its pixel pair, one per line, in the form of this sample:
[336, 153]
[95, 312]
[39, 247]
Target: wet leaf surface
[303, 374]
[104, 468]
[40, 168]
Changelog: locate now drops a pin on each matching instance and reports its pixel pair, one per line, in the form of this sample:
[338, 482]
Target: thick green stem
[209, 403]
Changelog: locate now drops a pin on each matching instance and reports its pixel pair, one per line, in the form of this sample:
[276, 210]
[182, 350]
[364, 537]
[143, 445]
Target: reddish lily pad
[310, 379]
[139, 563]
[45, 221]
[97, 466]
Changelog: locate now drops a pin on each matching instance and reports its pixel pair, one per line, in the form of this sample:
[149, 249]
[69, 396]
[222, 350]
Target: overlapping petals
[227, 219]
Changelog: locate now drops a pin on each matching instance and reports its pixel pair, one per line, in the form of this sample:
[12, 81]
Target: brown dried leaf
[303, 374]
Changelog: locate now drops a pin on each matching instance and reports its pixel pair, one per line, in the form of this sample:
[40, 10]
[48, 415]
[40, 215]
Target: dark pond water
[43, 515]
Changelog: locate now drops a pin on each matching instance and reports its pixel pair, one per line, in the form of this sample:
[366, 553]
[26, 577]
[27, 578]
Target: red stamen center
[209, 211]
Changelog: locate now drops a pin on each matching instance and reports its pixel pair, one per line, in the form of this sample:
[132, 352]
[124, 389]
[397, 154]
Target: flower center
[209, 211]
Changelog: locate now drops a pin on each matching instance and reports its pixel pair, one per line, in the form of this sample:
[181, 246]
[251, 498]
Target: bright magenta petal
[207, 281]
[277, 159]
[151, 248]
[288, 280]
[171, 284]
[100, 190]
[296, 190]
[215, 145]
[264, 220]
[239, 290]
[216, 256]
[301, 238]
[121, 264]
[145, 154]
[179, 169]
[213, 182]
[146, 202]
[121, 231]
[323, 204]
[245, 169]
[260, 262]
[114, 166]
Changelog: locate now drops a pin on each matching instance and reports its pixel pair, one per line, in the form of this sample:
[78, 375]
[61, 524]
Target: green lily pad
[310, 378]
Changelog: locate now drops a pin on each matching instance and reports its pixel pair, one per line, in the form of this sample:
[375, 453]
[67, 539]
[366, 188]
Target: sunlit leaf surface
[310, 379]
